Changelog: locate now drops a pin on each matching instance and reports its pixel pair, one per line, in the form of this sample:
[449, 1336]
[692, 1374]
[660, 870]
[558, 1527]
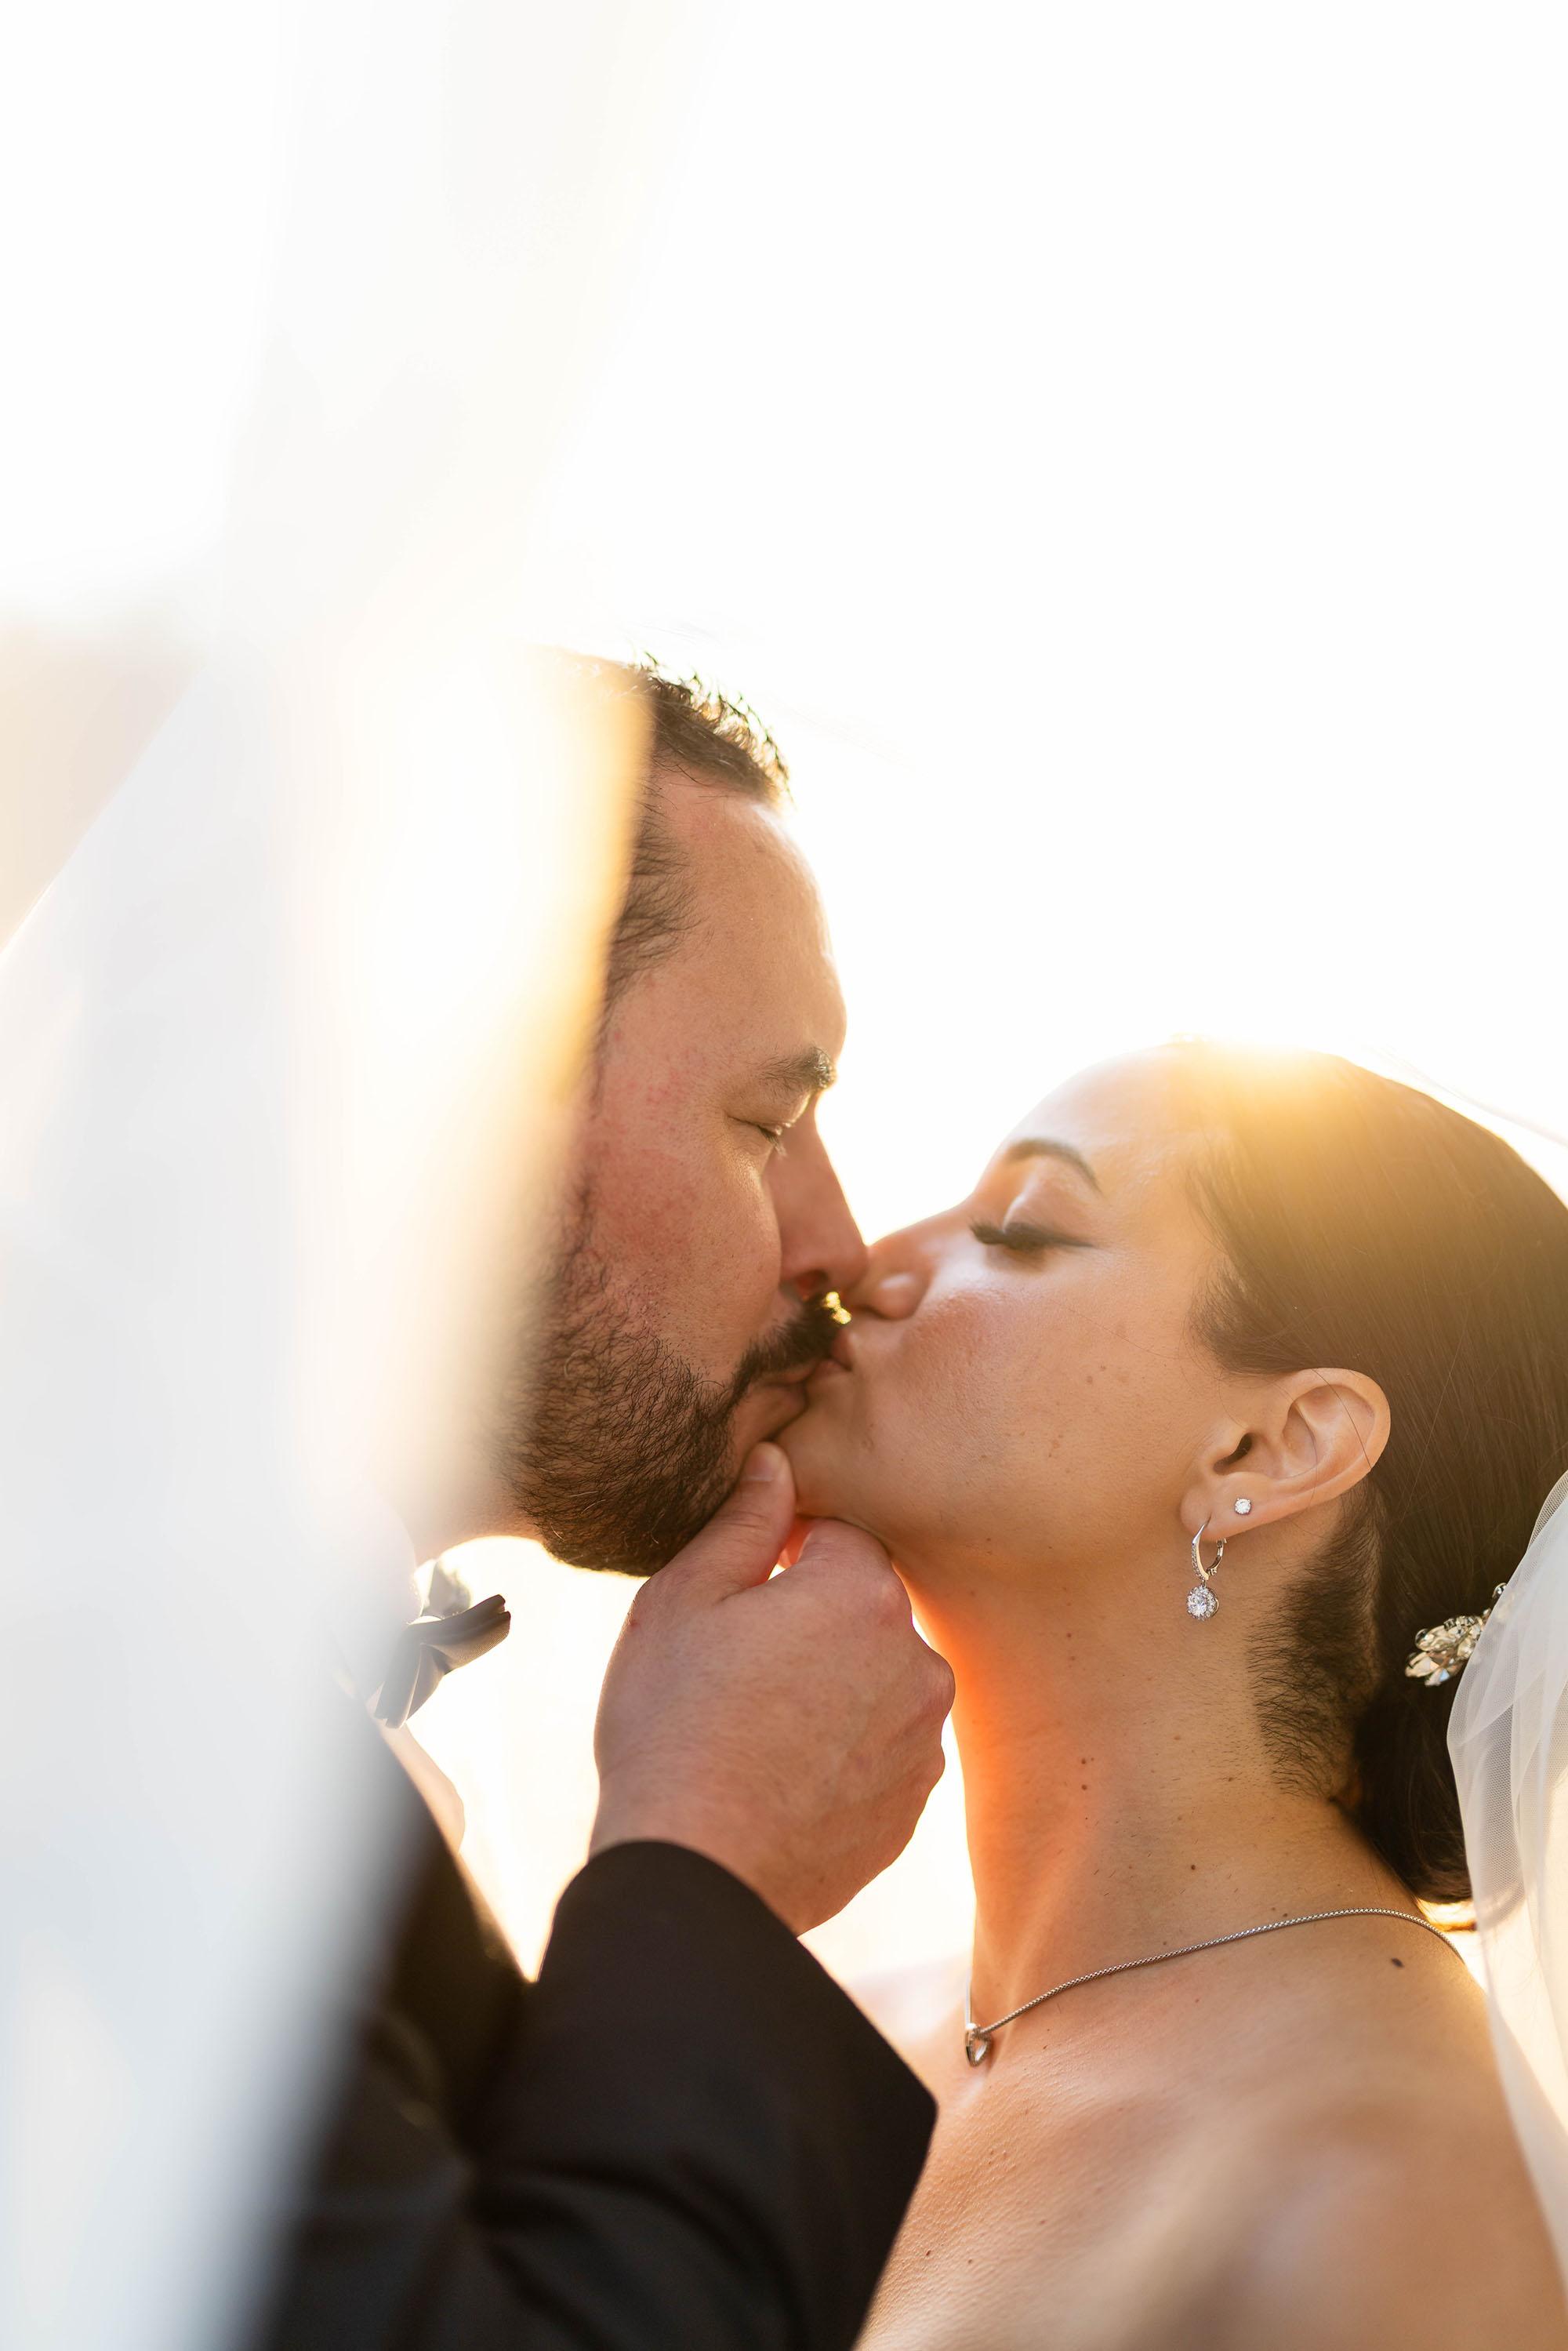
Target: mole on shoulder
[1397, 1963]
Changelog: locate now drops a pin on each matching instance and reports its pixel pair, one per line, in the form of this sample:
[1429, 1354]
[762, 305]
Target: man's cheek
[725, 1281]
[745, 1297]
[651, 1221]
[742, 1234]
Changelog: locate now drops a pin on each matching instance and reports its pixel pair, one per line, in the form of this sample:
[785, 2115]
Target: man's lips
[781, 1403]
[798, 1379]
[794, 1389]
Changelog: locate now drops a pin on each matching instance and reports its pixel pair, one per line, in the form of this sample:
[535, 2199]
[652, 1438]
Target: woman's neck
[1119, 1799]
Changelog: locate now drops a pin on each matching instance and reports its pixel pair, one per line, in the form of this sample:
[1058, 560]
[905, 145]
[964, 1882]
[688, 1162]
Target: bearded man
[684, 2134]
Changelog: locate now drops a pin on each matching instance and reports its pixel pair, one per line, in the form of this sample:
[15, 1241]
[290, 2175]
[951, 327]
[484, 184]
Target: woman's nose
[897, 1271]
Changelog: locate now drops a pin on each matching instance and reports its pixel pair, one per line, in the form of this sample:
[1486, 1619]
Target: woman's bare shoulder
[1388, 2219]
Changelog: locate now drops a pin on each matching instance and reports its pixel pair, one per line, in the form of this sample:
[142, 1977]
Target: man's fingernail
[763, 1461]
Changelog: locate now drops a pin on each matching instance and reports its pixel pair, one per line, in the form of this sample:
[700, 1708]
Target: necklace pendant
[976, 2045]
[1201, 1602]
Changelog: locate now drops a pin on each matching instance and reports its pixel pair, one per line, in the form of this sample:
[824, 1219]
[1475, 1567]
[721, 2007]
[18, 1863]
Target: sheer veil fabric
[287, 1040]
[1508, 1736]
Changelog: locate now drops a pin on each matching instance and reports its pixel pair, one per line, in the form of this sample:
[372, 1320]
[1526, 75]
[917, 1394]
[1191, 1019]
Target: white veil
[1508, 1736]
[312, 949]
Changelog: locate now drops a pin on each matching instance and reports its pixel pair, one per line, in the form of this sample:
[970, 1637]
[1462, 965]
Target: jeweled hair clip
[1444, 1650]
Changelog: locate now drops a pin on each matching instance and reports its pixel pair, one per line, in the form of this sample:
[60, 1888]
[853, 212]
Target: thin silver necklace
[978, 2038]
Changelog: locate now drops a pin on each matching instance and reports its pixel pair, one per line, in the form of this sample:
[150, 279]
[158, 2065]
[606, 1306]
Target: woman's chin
[824, 1486]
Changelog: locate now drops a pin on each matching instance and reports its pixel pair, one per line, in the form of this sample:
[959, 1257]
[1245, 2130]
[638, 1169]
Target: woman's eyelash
[1023, 1240]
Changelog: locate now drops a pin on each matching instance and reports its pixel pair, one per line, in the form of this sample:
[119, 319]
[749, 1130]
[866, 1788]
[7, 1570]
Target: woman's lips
[835, 1364]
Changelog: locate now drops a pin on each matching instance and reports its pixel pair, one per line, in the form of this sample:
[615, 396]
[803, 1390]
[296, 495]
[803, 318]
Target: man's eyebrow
[1044, 1146]
[810, 1072]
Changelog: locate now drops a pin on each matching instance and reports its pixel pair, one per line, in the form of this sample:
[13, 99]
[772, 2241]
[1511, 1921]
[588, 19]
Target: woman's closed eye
[1024, 1240]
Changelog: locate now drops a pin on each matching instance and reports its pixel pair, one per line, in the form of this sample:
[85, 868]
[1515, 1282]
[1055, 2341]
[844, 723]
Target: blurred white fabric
[166, 1753]
[319, 861]
[1508, 1736]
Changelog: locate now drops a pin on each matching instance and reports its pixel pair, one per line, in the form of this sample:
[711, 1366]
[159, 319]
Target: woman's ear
[1318, 1434]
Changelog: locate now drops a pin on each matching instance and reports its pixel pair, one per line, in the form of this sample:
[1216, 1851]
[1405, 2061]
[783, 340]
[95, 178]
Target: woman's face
[1020, 1385]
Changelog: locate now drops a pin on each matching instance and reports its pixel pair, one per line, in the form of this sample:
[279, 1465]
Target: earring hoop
[1201, 1602]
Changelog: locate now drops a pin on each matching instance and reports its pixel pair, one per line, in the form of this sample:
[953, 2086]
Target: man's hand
[789, 1729]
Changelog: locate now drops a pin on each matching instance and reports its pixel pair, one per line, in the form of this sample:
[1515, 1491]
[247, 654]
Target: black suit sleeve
[684, 2137]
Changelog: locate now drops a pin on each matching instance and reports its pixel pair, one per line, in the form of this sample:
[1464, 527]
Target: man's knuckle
[846, 1549]
[853, 1585]
[888, 1600]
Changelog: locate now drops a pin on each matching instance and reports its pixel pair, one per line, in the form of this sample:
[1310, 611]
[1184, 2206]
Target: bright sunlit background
[1120, 452]
[1118, 449]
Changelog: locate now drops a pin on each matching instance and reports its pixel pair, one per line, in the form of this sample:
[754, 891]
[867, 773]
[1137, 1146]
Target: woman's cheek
[955, 1380]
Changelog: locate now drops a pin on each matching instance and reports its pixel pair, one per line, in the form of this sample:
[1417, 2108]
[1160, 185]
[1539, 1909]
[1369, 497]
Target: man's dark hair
[711, 738]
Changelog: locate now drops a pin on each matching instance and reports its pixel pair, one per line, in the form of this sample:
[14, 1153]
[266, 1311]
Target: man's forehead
[718, 823]
[755, 908]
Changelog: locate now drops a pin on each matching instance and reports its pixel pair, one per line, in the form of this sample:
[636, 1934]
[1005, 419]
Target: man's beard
[622, 1452]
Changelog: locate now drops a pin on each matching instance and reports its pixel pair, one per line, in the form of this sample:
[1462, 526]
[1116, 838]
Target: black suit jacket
[682, 2138]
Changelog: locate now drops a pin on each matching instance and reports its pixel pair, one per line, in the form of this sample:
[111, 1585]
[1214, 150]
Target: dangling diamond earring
[1201, 1600]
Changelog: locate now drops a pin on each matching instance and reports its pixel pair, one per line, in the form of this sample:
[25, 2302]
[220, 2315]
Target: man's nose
[821, 1241]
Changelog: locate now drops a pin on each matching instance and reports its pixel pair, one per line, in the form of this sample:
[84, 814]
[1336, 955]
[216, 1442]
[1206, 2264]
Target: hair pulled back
[1362, 1224]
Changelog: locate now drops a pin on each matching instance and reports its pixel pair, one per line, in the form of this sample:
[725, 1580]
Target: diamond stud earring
[1243, 1508]
[1201, 1600]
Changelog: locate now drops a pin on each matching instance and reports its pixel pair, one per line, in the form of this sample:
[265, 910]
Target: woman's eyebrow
[1045, 1146]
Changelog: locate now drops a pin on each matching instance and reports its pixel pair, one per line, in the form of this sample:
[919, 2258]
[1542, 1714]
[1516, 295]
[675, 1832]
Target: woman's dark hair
[1363, 1225]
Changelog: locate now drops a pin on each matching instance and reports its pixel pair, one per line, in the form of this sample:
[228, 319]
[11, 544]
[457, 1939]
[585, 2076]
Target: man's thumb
[741, 1542]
